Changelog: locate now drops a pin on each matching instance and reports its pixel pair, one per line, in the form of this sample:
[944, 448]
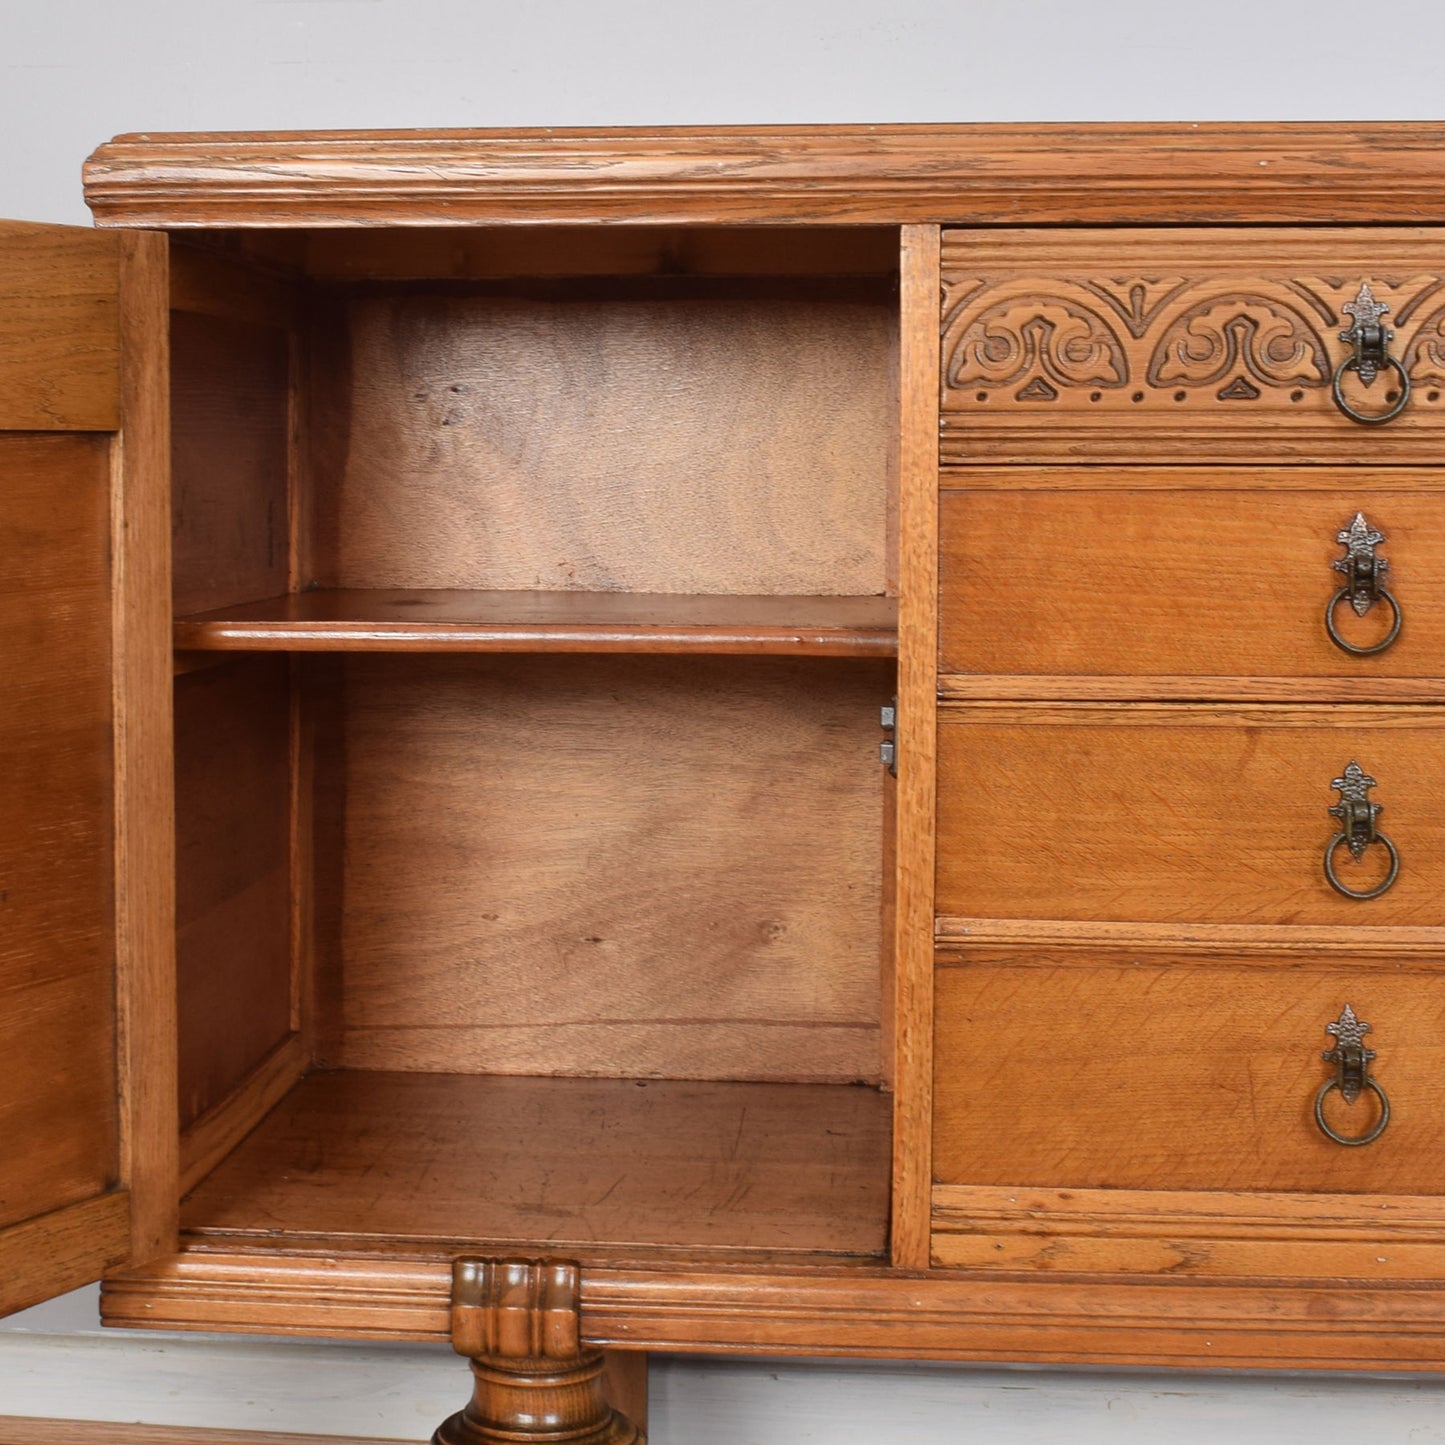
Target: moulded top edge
[989, 174]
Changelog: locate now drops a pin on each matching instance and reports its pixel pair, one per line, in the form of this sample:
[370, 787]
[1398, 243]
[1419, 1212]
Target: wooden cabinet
[465, 841]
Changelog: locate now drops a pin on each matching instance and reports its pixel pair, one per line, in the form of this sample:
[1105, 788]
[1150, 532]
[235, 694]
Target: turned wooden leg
[518, 1321]
[624, 1384]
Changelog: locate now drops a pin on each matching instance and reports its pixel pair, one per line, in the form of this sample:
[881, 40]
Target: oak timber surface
[1185, 572]
[984, 174]
[59, 1127]
[358, 620]
[1161, 813]
[1219, 1234]
[360, 1157]
[1137, 1072]
[690, 444]
[1183, 345]
[229, 420]
[24, 1430]
[59, 330]
[624, 866]
[233, 944]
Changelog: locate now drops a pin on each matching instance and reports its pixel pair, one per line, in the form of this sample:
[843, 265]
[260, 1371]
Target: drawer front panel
[1184, 813]
[1176, 572]
[1144, 1071]
[1187, 344]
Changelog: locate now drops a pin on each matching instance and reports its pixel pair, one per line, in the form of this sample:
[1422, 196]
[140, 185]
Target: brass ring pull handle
[1364, 574]
[1383, 595]
[1370, 342]
[1351, 363]
[1361, 893]
[1348, 1140]
[1352, 1077]
[1359, 819]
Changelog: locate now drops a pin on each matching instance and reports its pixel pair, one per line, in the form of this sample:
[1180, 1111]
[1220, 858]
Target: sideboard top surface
[835, 175]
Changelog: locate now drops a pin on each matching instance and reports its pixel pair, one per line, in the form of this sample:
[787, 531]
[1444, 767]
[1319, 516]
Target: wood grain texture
[233, 860]
[229, 420]
[63, 1249]
[628, 867]
[492, 1164]
[518, 1321]
[1137, 1073]
[1206, 345]
[481, 253]
[140, 516]
[684, 446]
[59, 329]
[914, 824]
[625, 1384]
[1123, 583]
[206, 282]
[1146, 687]
[1247, 944]
[452, 621]
[59, 1119]
[1178, 813]
[15, 1430]
[1180, 1322]
[984, 174]
[212, 1136]
[1213, 1234]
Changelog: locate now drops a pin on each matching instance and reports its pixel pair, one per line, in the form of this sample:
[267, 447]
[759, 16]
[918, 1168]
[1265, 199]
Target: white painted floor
[56, 1361]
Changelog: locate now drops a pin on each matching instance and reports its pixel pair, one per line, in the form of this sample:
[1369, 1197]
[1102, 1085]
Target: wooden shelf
[457, 621]
[598, 1166]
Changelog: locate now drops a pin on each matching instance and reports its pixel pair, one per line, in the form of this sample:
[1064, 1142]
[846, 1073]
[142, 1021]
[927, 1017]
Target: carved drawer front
[1207, 345]
[1144, 581]
[1138, 1069]
[1180, 813]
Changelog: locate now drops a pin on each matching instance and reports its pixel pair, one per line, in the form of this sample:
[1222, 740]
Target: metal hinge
[888, 748]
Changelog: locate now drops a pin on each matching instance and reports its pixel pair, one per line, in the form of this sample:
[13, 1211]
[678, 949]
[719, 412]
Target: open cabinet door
[87, 1074]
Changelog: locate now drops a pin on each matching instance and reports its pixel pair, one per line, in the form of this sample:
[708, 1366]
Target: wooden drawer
[1204, 345]
[1142, 581]
[1173, 812]
[1196, 1068]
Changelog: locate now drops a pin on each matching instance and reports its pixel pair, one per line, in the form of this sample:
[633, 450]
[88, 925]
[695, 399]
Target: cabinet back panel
[627, 866]
[230, 429]
[59, 1131]
[708, 443]
[233, 859]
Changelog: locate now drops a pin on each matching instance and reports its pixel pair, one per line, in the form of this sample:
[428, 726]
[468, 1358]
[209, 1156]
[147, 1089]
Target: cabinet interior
[534, 598]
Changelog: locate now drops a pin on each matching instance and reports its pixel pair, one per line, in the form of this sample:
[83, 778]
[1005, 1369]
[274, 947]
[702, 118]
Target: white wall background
[73, 72]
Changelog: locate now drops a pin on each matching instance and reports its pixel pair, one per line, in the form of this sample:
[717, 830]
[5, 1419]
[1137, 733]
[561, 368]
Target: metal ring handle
[1343, 596]
[1395, 408]
[1379, 888]
[1370, 1134]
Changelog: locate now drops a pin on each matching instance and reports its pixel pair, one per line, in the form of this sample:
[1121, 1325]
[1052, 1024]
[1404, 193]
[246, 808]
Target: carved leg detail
[518, 1321]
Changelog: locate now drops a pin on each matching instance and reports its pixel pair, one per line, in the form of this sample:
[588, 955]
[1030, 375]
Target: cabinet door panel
[83, 894]
[1184, 344]
[59, 1114]
[1177, 813]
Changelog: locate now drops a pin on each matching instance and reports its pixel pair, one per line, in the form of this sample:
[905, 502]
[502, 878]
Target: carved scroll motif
[1424, 356]
[1034, 345]
[1109, 343]
[1240, 344]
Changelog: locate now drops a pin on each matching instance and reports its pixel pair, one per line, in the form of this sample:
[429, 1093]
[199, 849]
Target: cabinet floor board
[589, 1164]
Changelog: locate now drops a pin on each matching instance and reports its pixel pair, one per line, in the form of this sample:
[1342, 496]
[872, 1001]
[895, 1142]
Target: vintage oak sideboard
[822, 740]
